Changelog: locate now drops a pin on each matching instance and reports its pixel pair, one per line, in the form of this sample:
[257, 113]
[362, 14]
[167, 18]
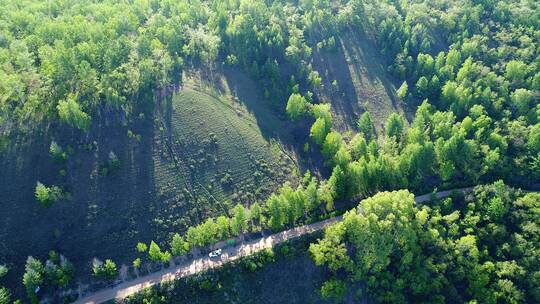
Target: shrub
[114, 162]
[333, 290]
[141, 247]
[3, 270]
[106, 271]
[58, 270]
[57, 152]
[258, 260]
[46, 196]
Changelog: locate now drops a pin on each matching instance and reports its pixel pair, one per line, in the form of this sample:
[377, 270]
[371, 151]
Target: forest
[481, 248]
[136, 134]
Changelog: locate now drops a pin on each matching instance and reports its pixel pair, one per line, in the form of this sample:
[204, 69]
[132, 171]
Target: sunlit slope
[209, 148]
[361, 80]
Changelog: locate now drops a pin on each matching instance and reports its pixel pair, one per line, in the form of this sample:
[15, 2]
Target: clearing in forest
[361, 81]
[210, 151]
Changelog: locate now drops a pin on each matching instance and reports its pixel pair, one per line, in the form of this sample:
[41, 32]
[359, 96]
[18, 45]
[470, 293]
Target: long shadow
[272, 123]
[271, 120]
[120, 204]
[23, 163]
[333, 65]
[375, 63]
[107, 212]
[359, 69]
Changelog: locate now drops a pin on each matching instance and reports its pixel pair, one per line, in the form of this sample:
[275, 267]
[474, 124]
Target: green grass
[211, 155]
[362, 81]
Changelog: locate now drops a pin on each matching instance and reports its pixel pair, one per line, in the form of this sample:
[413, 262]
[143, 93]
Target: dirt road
[201, 264]
[197, 265]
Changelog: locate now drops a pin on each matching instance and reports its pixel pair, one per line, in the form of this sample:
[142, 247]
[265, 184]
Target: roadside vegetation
[284, 274]
[284, 209]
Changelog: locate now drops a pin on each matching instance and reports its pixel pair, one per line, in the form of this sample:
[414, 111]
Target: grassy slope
[363, 83]
[144, 199]
[189, 166]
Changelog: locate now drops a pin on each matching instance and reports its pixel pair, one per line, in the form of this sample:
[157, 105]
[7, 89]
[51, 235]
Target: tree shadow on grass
[332, 65]
[106, 213]
[273, 121]
[362, 81]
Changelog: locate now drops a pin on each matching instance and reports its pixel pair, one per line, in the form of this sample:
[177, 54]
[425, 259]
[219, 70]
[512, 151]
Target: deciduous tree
[365, 125]
[394, 126]
[296, 106]
[70, 113]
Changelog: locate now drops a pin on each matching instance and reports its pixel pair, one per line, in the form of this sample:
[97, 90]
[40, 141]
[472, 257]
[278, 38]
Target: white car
[215, 253]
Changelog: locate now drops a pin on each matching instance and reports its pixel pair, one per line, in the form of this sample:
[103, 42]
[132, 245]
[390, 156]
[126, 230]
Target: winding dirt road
[201, 264]
[230, 254]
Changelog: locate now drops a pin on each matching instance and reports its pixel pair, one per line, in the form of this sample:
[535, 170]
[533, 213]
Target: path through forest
[200, 264]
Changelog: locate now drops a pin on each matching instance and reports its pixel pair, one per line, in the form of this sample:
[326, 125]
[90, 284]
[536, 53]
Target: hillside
[212, 154]
[196, 157]
[138, 134]
[361, 81]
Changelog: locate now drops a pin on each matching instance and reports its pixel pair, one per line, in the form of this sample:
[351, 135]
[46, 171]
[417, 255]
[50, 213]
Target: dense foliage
[78, 60]
[482, 248]
[469, 69]
[477, 64]
[478, 107]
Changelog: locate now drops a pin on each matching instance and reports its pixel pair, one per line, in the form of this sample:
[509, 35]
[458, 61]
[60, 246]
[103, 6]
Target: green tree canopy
[521, 100]
[179, 246]
[33, 276]
[333, 290]
[332, 143]
[365, 125]
[239, 221]
[5, 296]
[70, 113]
[534, 138]
[154, 252]
[46, 196]
[322, 110]
[516, 71]
[106, 271]
[422, 87]
[394, 126]
[318, 131]
[296, 106]
[403, 91]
